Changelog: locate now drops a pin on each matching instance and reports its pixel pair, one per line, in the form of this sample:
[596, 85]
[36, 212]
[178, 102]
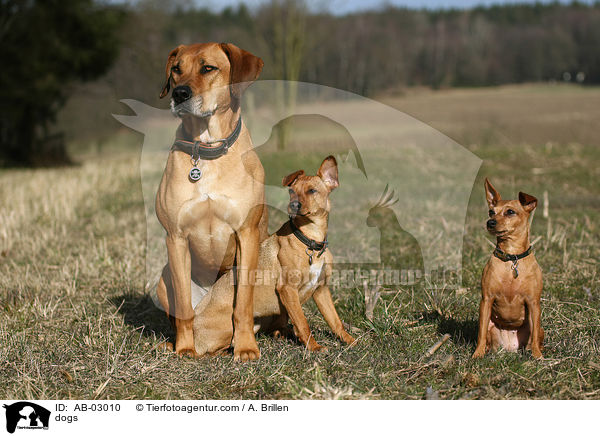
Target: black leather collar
[505, 257]
[202, 150]
[311, 244]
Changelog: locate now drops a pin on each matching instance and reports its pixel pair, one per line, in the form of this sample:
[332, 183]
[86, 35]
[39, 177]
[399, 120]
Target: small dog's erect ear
[328, 172]
[170, 61]
[288, 180]
[491, 195]
[244, 68]
[529, 202]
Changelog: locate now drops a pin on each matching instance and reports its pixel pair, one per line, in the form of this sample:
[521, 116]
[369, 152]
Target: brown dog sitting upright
[511, 285]
[294, 265]
[211, 196]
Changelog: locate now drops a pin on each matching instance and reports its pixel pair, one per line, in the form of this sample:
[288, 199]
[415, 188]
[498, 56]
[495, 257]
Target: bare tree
[286, 37]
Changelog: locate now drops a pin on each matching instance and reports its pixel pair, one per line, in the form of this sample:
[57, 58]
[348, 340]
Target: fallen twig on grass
[371, 297]
[437, 345]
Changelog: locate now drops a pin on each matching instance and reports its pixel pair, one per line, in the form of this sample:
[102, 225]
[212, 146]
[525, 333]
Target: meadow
[78, 322]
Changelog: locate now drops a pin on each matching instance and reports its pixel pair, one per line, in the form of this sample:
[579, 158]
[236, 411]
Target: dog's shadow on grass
[139, 311]
[461, 332]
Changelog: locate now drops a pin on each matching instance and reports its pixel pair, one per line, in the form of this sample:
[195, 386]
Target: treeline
[371, 52]
[59, 43]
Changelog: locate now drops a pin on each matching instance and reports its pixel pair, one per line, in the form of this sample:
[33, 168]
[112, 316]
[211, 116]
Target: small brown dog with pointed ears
[294, 264]
[511, 285]
[303, 248]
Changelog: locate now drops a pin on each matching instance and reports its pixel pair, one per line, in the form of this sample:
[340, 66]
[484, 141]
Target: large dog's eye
[491, 213]
[207, 69]
[510, 212]
[312, 191]
[175, 69]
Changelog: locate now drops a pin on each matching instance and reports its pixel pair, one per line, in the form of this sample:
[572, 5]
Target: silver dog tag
[195, 174]
[515, 269]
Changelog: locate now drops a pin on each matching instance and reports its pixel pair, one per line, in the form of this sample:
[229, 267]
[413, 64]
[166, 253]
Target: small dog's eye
[291, 191]
[175, 69]
[207, 69]
[312, 191]
[491, 212]
[510, 212]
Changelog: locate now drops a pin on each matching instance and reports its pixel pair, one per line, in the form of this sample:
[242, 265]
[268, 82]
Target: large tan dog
[211, 197]
[294, 265]
[511, 285]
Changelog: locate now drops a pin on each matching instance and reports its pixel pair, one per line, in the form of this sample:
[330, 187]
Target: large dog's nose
[181, 94]
[491, 224]
[295, 206]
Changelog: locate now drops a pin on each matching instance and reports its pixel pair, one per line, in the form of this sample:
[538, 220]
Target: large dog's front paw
[245, 348]
[188, 352]
[245, 354]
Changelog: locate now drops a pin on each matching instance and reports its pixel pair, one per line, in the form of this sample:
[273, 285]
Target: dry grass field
[77, 322]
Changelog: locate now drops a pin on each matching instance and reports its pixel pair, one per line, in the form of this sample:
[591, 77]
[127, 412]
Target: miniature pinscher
[511, 285]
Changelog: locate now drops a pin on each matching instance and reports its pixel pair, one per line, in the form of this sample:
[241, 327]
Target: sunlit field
[77, 320]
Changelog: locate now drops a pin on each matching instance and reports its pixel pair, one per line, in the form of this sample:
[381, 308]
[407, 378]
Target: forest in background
[370, 53]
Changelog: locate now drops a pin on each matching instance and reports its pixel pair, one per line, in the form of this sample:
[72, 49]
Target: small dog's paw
[348, 339]
[316, 348]
[478, 354]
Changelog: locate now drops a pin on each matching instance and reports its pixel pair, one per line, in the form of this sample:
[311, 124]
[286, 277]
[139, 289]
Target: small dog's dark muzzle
[295, 206]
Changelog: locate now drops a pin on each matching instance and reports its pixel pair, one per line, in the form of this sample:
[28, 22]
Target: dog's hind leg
[213, 323]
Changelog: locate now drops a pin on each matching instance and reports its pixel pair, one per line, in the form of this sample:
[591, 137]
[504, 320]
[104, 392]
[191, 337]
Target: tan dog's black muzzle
[181, 94]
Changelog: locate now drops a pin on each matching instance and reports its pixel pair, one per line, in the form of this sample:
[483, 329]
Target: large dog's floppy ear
[244, 68]
[288, 180]
[491, 195]
[328, 172]
[170, 61]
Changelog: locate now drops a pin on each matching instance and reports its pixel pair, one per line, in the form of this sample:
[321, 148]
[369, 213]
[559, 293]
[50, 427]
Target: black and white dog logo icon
[26, 415]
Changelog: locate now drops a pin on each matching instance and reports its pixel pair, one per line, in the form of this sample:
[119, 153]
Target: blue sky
[345, 6]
